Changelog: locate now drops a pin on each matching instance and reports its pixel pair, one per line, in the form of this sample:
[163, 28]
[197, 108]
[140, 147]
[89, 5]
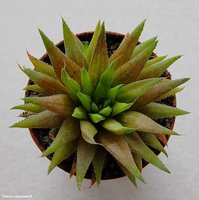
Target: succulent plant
[99, 105]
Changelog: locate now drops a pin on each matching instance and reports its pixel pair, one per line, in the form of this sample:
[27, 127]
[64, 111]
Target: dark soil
[111, 170]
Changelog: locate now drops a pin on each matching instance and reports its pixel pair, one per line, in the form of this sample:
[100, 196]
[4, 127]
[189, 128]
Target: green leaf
[47, 83]
[158, 111]
[130, 70]
[64, 152]
[130, 176]
[68, 132]
[59, 103]
[138, 161]
[45, 119]
[36, 88]
[94, 107]
[92, 45]
[115, 127]
[119, 149]
[124, 39]
[85, 155]
[140, 148]
[170, 93]
[85, 48]
[85, 100]
[79, 113]
[96, 117]
[151, 140]
[105, 111]
[87, 86]
[132, 91]
[124, 52]
[142, 46]
[88, 131]
[42, 66]
[155, 60]
[158, 90]
[71, 85]
[98, 163]
[29, 107]
[113, 92]
[78, 41]
[157, 69]
[99, 61]
[59, 60]
[72, 48]
[120, 107]
[104, 83]
[143, 123]
[106, 103]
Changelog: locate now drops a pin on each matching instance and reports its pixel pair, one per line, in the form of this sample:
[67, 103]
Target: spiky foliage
[100, 105]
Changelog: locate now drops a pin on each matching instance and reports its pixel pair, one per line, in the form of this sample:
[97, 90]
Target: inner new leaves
[95, 103]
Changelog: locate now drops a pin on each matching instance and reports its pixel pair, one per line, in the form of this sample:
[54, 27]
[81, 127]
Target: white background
[177, 25]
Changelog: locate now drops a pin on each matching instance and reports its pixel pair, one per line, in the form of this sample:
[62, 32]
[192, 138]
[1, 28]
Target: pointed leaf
[74, 167]
[132, 91]
[96, 118]
[142, 46]
[68, 132]
[85, 100]
[85, 48]
[99, 61]
[71, 85]
[86, 84]
[140, 148]
[151, 140]
[162, 138]
[124, 39]
[29, 107]
[119, 149]
[88, 131]
[124, 52]
[92, 45]
[115, 127]
[130, 176]
[72, 49]
[36, 88]
[59, 103]
[45, 119]
[79, 113]
[94, 107]
[155, 60]
[143, 123]
[64, 152]
[113, 92]
[78, 41]
[98, 163]
[85, 155]
[47, 83]
[158, 111]
[138, 161]
[59, 60]
[130, 70]
[157, 69]
[120, 107]
[170, 93]
[42, 66]
[104, 83]
[158, 90]
[105, 111]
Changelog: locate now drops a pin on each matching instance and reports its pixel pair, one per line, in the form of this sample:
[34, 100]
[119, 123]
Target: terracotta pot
[113, 40]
